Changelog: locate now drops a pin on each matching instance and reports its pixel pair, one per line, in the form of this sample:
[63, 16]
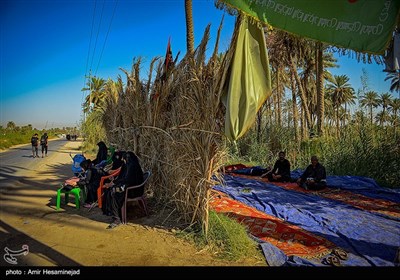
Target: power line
[88, 55]
[97, 35]
[87, 78]
[90, 42]
[105, 40]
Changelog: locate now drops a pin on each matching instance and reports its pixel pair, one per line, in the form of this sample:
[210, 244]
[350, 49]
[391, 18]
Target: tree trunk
[189, 27]
[370, 114]
[279, 92]
[294, 109]
[301, 91]
[337, 122]
[259, 119]
[275, 103]
[320, 90]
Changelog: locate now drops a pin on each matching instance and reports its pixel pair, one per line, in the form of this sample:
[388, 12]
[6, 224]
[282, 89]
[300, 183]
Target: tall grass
[362, 150]
[366, 151]
[226, 238]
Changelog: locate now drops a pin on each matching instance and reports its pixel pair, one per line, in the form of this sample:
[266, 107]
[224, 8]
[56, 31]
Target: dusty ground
[71, 237]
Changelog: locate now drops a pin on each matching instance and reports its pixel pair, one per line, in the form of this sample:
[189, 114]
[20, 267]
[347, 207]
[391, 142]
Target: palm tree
[384, 100]
[287, 108]
[11, 125]
[340, 92]
[96, 94]
[278, 62]
[370, 100]
[381, 118]
[189, 27]
[394, 78]
[394, 108]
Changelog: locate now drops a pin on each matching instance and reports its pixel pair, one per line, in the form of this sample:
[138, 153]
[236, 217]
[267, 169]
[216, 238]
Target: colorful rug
[291, 239]
[369, 238]
[360, 201]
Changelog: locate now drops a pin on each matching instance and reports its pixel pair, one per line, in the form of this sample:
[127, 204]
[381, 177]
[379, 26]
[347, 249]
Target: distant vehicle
[72, 137]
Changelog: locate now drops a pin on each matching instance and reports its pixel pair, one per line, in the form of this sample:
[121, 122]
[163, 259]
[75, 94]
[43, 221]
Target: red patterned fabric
[233, 167]
[291, 239]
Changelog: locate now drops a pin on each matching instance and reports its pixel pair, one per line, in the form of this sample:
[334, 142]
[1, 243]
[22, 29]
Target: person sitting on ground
[131, 175]
[281, 170]
[102, 154]
[90, 182]
[314, 177]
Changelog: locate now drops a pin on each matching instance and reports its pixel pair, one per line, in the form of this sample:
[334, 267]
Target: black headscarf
[131, 173]
[102, 153]
[117, 159]
[86, 164]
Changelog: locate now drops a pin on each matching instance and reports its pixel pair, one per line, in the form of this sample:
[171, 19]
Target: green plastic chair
[76, 192]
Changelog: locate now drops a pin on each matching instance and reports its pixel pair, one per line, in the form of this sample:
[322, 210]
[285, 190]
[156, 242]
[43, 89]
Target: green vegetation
[226, 237]
[15, 135]
[362, 150]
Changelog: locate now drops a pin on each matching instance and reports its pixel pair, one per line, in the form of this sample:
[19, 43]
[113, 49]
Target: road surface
[77, 237]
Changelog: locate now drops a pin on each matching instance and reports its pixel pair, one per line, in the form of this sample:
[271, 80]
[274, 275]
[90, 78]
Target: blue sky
[47, 47]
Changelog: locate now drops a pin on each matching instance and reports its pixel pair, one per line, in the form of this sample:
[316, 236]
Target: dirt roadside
[76, 237]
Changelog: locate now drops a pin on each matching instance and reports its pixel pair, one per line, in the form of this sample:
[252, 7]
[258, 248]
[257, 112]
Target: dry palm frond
[174, 125]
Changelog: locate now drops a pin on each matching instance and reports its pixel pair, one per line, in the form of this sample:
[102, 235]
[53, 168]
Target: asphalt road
[16, 160]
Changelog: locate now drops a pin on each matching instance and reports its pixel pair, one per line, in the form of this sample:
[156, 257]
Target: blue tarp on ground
[370, 239]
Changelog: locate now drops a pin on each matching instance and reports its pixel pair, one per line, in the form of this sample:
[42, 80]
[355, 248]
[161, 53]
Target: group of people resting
[313, 178]
[131, 174]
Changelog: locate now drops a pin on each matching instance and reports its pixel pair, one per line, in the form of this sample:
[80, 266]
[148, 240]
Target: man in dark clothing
[35, 145]
[314, 177]
[131, 175]
[44, 143]
[281, 170]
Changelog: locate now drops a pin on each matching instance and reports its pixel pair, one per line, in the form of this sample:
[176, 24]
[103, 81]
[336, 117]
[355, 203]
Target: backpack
[43, 140]
[34, 141]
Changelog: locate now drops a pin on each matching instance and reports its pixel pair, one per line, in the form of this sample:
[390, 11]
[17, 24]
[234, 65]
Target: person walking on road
[35, 145]
[44, 143]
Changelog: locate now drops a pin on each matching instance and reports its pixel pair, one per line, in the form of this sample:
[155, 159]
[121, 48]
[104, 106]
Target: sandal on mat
[340, 253]
[332, 260]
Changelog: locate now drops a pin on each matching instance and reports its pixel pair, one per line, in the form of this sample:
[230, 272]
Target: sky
[49, 47]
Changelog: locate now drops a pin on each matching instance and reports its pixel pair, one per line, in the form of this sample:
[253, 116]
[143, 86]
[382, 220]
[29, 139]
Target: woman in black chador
[131, 175]
[101, 154]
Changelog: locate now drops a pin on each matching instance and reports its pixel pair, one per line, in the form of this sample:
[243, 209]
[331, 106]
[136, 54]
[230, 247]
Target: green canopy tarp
[361, 25]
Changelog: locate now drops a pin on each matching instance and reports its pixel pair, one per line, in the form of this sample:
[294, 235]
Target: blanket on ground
[365, 223]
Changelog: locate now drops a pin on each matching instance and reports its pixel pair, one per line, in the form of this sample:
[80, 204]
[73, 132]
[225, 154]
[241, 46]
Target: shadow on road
[13, 239]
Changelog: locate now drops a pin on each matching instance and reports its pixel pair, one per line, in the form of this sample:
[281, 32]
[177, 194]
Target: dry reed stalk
[174, 125]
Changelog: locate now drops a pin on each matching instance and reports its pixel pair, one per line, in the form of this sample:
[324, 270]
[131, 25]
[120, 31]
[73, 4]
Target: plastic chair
[140, 199]
[100, 189]
[76, 192]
